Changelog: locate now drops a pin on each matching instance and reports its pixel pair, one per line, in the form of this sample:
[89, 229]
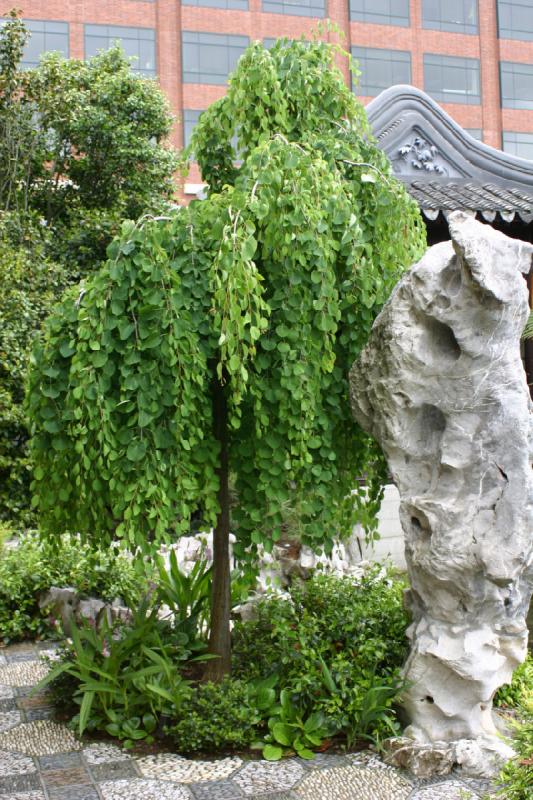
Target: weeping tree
[216, 341]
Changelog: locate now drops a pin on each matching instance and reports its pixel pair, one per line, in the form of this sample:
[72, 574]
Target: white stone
[441, 386]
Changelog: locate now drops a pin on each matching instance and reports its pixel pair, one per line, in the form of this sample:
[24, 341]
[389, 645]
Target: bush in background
[216, 716]
[31, 283]
[336, 645]
[322, 661]
[517, 776]
[81, 148]
[33, 566]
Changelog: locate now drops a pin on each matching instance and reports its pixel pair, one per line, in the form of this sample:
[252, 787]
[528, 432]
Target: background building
[475, 57]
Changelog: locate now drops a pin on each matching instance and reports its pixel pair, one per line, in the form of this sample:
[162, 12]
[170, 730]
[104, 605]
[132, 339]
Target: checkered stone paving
[167, 766]
[15, 764]
[6, 692]
[23, 673]
[39, 738]
[348, 783]
[41, 759]
[9, 719]
[268, 776]
[448, 790]
[103, 753]
[143, 790]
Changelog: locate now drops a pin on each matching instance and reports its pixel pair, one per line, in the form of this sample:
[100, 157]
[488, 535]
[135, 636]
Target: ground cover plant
[321, 662]
[32, 566]
[517, 776]
[217, 339]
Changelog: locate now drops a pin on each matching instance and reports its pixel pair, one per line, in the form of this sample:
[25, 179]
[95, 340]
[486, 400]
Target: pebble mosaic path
[41, 759]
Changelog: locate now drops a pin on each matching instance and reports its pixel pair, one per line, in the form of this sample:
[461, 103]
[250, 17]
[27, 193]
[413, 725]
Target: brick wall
[169, 18]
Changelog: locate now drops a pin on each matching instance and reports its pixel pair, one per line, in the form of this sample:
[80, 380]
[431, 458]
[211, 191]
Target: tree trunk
[220, 639]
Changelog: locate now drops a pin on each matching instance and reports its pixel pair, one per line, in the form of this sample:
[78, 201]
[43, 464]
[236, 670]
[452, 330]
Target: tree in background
[80, 150]
[217, 341]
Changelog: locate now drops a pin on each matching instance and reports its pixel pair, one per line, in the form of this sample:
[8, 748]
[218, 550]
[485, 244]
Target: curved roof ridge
[404, 110]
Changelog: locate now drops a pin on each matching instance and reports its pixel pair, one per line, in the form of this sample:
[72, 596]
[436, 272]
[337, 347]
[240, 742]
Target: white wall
[391, 543]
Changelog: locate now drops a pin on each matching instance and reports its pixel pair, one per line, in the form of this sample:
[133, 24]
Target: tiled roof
[442, 166]
[489, 199]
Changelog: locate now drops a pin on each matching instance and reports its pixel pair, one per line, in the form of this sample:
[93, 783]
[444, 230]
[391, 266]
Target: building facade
[475, 57]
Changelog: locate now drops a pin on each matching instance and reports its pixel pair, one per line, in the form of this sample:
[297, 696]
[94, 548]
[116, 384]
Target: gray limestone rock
[441, 387]
[62, 603]
[90, 609]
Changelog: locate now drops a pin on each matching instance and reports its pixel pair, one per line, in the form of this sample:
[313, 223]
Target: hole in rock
[431, 420]
[507, 602]
[502, 473]
[450, 278]
[482, 707]
[420, 524]
[429, 699]
[440, 340]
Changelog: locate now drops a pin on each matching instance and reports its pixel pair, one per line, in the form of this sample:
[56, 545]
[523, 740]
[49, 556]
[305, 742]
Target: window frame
[452, 95]
[511, 33]
[27, 64]
[116, 37]
[368, 14]
[189, 75]
[362, 87]
[226, 5]
[287, 8]
[450, 26]
[517, 134]
[514, 102]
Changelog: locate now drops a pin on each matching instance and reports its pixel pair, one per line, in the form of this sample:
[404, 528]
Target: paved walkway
[41, 759]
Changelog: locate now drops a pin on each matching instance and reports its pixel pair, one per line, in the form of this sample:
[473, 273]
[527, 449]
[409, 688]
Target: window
[381, 12]
[190, 118]
[269, 42]
[45, 37]
[515, 19]
[298, 8]
[519, 144]
[475, 133]
[240, 5]
[516, 84]
[210, 57]
[452, 79]
[136, 42]
[381, 69]
[458, 16]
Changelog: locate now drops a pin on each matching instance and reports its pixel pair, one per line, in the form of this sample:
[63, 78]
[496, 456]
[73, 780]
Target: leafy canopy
[81, 144]
[80, 148]
[269, 287]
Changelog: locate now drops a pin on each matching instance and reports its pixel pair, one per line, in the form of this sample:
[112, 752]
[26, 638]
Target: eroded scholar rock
[441, 387]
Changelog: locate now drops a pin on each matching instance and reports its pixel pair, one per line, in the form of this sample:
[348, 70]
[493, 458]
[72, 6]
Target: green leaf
[265, 698]
[136, 450]
[283, 733]
[304, 752]
[272, 753]
[85, 710]
[125, 329]
[248, 248]
[66, 350]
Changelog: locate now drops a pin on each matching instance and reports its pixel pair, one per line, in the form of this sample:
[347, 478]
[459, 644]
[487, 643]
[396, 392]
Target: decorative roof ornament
[442, 166]
[423, 154]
